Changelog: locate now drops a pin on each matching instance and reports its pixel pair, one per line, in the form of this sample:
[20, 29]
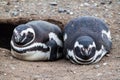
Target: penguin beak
[18, 37]
[86, 52]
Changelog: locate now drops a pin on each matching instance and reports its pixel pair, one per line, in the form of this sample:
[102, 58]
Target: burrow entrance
[7, 27]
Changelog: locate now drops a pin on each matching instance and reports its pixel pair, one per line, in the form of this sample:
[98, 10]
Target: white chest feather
[32, 55]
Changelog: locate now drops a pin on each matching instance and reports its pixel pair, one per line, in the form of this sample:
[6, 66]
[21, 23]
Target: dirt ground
[12, 11]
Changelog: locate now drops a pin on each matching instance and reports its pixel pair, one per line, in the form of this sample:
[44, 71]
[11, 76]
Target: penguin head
[23, 34]
[84, 49]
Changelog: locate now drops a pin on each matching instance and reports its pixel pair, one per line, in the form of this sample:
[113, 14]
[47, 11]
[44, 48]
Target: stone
[61, 10]
[96, 66]
[53, 3]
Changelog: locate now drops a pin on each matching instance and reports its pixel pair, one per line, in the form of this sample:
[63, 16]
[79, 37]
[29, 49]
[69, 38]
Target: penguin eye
[30, 34]
[82, 49]
[77, 49]
[90, 49]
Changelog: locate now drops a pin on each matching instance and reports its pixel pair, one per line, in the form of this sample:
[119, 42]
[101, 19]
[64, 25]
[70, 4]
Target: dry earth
[14, 12]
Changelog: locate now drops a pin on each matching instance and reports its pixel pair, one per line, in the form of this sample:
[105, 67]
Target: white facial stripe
[106, 33]
[32, 55]
[15, 31]
[28, 47]
[71, 54]
[26, 31]
[92, 45]
[65, 36]
[83, 59]
[101, 52]
[78, 45]
[55, 37]
[24, 39]
[18, 36]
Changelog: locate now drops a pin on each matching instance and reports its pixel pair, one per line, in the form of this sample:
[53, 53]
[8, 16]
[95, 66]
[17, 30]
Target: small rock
[5, 65]
[104, 64]
[20, 10]
[96, 15]
[3, 51]
[15, 13]
[95, 4]
[53, 3]
[118, 70]
[36, 77]
[96, 66]
[69, 12]
[99, 74]
[103, 3]
[3, 3]
[28, 12]
[86, 4]
[16, 6]
[110, 2]
[22, 0]
[39, 3]
[7, 9]
[61, 10]
[11, 57]
[4, 74]
[13, 68]
[119, 13]
[74, 72]
[107, 55]
[81, 5]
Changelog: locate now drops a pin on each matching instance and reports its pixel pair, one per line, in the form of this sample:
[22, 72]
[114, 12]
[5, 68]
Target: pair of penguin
[85, 41]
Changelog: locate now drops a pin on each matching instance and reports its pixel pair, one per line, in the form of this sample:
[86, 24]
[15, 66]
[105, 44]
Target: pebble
[107, 55]
[69, 12]
[28, 12]
[61, 10]
[3, 3]
[20, 10]
[4, 74]
[103, 3]
[86, 4]
[119, 13]
[7, 9]
[95, 4]
[15, 13]
[11, 57]
[16, 6]
[13, 68]
[53, 3]
[104, 64]
[96, 66]
[118, 70]
[81, 5]
[99, 74]
[3, 51]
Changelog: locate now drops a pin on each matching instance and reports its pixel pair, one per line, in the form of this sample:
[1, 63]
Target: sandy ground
[107, 69]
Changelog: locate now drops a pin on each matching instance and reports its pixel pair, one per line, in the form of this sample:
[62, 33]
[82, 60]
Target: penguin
[86, 40]
[37, 41]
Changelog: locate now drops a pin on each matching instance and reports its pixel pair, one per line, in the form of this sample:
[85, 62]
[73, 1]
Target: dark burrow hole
[7, 27]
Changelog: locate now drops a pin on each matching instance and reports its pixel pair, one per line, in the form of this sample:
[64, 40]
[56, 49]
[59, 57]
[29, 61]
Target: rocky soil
[14, 12]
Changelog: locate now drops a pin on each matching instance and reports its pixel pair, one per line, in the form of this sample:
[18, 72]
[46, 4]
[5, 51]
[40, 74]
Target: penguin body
[86, 40]
[37, 40]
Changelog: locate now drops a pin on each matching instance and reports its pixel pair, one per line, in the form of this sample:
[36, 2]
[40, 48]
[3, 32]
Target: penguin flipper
[53, 53]
[106, 42]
